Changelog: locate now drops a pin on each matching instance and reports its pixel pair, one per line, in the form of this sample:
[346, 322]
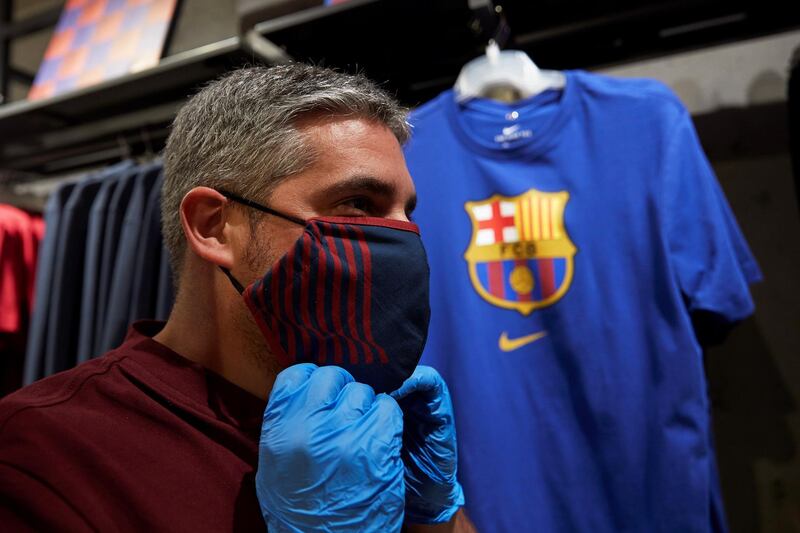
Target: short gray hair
[240, 133]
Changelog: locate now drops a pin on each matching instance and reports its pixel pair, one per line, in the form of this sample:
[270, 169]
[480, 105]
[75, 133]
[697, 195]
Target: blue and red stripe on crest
[548, 275]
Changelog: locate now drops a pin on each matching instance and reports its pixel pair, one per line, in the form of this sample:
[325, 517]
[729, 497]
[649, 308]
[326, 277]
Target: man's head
[250, 130]
[305, 141]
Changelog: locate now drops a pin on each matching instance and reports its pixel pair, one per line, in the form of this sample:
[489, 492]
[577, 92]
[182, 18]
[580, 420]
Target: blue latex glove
[433, 494]
[329, 455]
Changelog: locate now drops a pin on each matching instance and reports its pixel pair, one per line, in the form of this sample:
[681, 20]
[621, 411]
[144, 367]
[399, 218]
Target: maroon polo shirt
[140, 439]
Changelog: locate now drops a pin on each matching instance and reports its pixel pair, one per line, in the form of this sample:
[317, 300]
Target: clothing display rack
[573, 263]
[129, 115]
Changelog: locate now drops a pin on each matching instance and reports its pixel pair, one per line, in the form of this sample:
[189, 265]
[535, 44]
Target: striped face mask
[351, 292]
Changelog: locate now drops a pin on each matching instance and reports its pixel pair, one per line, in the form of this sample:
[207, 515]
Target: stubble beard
[258, 257]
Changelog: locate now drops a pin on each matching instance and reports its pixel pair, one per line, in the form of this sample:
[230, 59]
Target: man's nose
[398, 214]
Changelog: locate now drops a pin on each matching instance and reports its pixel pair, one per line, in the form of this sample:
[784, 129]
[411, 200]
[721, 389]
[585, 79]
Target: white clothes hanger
[507, 75]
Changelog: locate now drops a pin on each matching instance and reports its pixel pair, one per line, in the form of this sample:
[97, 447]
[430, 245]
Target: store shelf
[173, 76]
[635, 30]
[417, 47]
[28, 129]
[414, 47]
[308, 16]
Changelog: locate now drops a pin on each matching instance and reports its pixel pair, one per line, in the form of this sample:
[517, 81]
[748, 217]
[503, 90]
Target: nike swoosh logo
[509, 345]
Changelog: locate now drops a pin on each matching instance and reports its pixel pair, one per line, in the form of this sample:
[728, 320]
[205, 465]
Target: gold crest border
[525, 308]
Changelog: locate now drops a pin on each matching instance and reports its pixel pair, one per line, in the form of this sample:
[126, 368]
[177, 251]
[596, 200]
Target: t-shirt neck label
[511, 134]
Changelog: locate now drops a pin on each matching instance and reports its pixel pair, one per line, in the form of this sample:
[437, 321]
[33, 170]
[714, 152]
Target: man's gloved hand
[329, 455]
[433, 494]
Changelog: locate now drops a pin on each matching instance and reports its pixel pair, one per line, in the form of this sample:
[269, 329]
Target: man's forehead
[337, 141]
[366, 160]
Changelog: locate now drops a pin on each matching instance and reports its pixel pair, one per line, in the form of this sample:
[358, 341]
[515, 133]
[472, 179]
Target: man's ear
[203, 219]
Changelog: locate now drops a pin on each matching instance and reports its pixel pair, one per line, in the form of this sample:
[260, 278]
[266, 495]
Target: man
[265, 170]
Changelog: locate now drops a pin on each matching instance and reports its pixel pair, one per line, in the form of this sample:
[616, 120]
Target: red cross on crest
[497, 223]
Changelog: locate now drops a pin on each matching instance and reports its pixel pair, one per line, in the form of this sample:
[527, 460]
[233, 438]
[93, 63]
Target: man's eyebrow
[359, 184]
[366, 184]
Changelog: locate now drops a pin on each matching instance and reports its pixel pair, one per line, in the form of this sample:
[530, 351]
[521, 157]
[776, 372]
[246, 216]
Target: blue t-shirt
[570, 236]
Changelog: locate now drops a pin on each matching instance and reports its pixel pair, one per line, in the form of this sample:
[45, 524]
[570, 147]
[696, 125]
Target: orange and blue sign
[97, 40]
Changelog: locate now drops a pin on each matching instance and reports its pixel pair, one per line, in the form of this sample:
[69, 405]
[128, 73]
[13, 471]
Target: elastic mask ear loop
[236, 285]
[264, 209]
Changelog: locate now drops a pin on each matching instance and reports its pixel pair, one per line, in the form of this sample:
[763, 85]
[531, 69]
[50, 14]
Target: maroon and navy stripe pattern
[318, 303]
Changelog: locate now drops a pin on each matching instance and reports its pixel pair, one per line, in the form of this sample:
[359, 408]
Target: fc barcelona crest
[520, 256]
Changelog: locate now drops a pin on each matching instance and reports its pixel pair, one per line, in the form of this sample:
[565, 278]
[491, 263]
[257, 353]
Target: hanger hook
[492, 52]
[489, 21]
[502, 30]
